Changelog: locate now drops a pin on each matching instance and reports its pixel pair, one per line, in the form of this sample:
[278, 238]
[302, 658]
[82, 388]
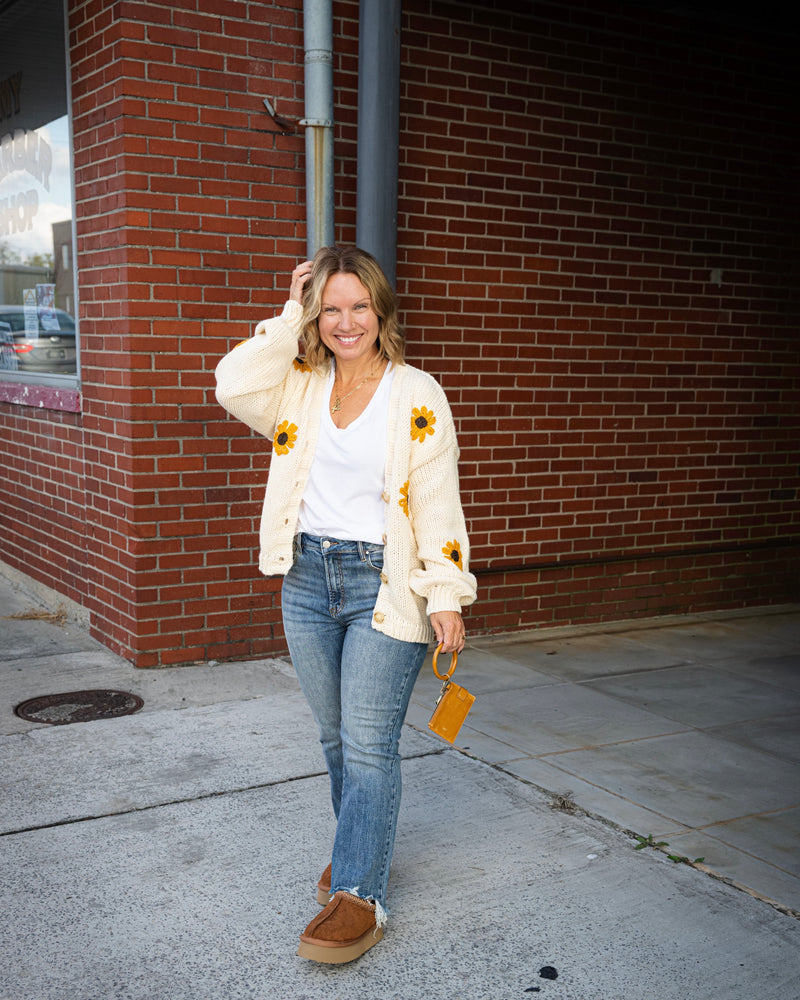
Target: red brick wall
[189, 203]
[568, 183]
[42, 496]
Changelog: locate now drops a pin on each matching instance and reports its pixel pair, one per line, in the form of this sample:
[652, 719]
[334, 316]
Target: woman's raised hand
[300, 277]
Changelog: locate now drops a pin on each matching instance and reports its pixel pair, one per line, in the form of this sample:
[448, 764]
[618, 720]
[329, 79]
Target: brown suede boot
[344, 930]
[324, 887]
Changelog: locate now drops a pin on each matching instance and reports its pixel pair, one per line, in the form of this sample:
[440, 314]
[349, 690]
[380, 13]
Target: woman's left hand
[449, 629]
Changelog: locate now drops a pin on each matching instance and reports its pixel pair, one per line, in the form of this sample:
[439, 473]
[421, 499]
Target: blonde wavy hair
[351, 260]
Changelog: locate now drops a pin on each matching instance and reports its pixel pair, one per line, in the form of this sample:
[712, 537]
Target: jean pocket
[374, 557]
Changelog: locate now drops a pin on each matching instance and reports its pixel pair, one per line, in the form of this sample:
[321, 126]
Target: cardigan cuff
[443, 598]
[292, 311]
[291, 316]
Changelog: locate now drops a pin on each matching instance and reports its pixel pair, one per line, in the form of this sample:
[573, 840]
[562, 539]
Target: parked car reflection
[51, 352]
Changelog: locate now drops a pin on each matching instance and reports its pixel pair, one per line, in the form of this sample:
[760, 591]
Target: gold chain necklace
[337, 404]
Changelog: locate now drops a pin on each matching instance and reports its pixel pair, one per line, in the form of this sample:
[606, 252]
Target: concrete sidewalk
[173, 853]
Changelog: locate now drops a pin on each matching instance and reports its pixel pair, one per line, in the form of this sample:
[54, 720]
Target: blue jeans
[358, 683]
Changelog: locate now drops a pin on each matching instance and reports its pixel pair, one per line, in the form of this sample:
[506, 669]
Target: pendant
[336, 406]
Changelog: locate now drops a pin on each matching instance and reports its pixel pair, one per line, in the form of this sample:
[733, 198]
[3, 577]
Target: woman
[363, 520]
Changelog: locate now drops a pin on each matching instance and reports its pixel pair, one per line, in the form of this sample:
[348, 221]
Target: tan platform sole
[336, 954]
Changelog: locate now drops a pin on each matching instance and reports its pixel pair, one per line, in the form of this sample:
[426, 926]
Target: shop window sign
[37, 286]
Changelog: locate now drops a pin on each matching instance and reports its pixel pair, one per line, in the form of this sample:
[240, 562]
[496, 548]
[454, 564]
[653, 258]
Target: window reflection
[37, 281]
[37, 295]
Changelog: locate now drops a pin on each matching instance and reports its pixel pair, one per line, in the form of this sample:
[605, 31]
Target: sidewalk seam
[195, 798]
[611, 824]
[161, 805]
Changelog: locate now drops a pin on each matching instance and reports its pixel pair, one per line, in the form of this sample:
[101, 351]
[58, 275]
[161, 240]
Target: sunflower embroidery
[301, 365]
[453, 551]
[403, 501]
[285, 438]
[422, 421]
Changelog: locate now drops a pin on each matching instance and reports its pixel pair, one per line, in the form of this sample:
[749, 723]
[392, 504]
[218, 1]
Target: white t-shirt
[344, 494]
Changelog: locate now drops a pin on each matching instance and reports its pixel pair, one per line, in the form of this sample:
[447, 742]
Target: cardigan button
[384, 539]
[385, 497]
[384, 578]
[378, 617]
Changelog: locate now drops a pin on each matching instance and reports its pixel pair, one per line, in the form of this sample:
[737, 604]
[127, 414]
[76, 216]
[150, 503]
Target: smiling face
[348, 325]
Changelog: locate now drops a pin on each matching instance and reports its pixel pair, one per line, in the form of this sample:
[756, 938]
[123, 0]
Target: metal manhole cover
[78, 706]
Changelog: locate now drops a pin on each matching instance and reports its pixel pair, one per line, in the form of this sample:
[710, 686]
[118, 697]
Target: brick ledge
[45, 397]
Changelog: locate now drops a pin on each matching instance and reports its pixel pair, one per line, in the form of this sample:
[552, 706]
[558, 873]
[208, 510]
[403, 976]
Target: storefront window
[37, 290]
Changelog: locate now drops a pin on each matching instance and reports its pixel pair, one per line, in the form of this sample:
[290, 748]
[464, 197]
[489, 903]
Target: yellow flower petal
[285, 438]
[403, 501]
[453, 551]
[422, 421]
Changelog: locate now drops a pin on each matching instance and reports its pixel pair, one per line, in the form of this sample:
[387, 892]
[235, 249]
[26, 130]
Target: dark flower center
[283, 437]
[421, 422]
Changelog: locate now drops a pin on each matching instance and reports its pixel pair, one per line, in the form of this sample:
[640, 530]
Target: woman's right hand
[300, 277]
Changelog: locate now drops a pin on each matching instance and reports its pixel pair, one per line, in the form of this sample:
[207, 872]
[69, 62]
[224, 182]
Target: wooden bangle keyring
[453, 663]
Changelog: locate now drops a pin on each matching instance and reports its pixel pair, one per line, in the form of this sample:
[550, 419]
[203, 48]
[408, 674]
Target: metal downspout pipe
[378, 131]
[318, 57]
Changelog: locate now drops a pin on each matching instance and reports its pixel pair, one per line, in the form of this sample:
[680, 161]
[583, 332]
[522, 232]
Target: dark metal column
[318, 45]
[378, 131]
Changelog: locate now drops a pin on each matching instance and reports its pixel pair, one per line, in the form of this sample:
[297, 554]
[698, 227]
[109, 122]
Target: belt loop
[362, 551]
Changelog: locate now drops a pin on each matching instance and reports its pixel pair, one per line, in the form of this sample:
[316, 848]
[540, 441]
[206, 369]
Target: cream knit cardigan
[264, 384]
